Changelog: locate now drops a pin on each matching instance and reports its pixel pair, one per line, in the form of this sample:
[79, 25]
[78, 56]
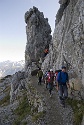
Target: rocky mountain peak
[39, 36]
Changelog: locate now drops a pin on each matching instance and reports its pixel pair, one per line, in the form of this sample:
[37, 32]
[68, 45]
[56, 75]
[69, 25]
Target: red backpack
[50, 77]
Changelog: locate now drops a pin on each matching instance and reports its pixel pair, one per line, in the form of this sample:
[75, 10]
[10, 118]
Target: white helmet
[51, 70]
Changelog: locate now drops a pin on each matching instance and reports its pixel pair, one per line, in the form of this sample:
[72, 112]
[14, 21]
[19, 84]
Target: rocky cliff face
[68, 40]
[17, 84]
[38, 36]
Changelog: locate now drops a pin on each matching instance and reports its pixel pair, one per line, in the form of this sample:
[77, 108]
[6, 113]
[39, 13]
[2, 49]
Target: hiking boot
[62, 105]
[50, 96]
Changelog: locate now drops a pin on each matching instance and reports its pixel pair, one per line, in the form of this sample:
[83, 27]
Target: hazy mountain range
[9, 67]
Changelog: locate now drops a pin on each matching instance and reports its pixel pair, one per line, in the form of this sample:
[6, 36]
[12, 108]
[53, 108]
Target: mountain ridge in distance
[10, 67]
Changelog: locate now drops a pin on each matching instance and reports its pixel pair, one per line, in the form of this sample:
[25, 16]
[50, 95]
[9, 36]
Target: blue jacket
[62, 78]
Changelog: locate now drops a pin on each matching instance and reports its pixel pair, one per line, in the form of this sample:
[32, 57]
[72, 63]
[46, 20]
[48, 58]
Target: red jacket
[50, 77]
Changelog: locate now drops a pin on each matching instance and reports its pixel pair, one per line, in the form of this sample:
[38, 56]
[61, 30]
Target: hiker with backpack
[55, 77]
[45, 52]
[63, 84]
[40, 75]
[45, 78]
[50, 80]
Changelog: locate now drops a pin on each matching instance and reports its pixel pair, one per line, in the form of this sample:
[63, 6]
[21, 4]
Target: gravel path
[55, 114]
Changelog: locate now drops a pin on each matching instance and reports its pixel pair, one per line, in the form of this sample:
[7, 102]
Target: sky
[13, 37]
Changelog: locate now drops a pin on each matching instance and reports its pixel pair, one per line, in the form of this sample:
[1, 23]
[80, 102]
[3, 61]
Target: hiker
[63, 83]
[40, 74]
[50, 78]
[45, 52]
[55, 77]
[46, 78]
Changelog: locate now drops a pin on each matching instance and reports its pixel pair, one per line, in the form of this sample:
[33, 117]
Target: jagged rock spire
[38, 35]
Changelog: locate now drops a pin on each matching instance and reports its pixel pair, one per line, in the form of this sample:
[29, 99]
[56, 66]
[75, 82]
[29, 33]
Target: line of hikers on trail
[59, 79]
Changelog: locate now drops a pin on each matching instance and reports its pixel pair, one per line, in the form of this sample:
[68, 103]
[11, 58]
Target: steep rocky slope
[68, 41]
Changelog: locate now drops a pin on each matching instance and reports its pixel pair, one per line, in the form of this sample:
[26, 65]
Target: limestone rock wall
[68, 40]
[38, 36]
[17, 84]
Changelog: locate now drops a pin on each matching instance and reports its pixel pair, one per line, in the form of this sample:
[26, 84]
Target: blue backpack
[62, 79]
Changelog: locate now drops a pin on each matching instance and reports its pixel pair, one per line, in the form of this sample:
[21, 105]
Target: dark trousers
[50, 86]
[40, 80]
[63, 93]
[46, 85]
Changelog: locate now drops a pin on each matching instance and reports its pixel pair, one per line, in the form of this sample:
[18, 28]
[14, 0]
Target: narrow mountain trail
[55, 114]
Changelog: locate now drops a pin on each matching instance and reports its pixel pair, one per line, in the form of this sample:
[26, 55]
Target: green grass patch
[78, 109]
[16, 122]
[23, 110]
[37, 116]
[5, 101]
[24, 123]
